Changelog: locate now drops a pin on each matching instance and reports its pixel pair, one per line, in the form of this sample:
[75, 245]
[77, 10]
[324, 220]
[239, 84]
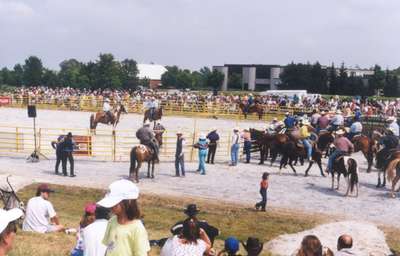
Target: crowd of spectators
[226, 100]
[114, 226]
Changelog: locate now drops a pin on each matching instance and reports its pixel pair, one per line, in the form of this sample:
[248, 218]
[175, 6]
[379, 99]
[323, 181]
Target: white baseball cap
[119, 190]
[8, 216]
[202, 136]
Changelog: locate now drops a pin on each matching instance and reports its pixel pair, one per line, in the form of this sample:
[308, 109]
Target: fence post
[113, 146]
[17, 138]
[40, 140]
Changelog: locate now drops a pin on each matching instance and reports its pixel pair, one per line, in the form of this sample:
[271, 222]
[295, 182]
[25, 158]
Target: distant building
[254, 76]
[152, 72]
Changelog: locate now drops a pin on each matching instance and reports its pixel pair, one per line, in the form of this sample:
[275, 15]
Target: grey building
[253, 76]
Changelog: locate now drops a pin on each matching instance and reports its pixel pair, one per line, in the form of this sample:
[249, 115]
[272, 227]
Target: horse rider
[342, 146]
[289, 121]
[153, 107]
[323, 122]
[315, 117]
[393, 125]
[107, 109]
[159, 128]
[337, 121]
[305, 136]
[272, 127]
[389, 142]
[146, 137]
[355, 128]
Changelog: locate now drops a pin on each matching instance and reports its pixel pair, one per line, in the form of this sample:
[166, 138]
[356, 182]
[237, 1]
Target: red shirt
[264, 184]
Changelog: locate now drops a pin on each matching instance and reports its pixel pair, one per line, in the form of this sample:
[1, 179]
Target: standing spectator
[8, 228]
[231, 247]
[263, 191]
[67, 147]
[125, 233]
[235, 147]
[253, 246]
[93, 234]
[247, 144]
[202, 145]
[59, 153]
[38, 212]
[213, 137]
[179, 154]
[192, 241]
[87, 218]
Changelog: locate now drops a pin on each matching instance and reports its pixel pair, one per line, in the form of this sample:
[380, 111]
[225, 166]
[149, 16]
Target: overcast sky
[196, 33]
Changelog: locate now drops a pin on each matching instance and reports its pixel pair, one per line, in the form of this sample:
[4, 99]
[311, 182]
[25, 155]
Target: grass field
[160, 213]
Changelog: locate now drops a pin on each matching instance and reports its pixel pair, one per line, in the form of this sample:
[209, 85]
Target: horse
[393, 156]
[393, 172]
[140, 154]
[348, 167]
[102, 117]
[367, 146]
[263, 141]
[157, 115]
[325, 139]
[255, 108]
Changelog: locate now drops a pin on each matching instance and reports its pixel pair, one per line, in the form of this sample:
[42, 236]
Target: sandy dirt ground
[232, 184]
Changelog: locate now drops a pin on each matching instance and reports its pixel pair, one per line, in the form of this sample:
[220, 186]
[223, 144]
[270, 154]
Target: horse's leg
[262, 153]
[384, 178]
[291, 166]
[148, 169]
[379, 178]
[333, 180]
[338, 181]
[320, 167]
[137, 171]
[308, 168]
[348, 185]
[152, 169]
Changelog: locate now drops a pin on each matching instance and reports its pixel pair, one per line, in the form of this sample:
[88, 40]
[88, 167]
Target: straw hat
[340, 132]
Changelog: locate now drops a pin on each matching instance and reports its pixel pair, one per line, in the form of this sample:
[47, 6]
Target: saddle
[340, 156]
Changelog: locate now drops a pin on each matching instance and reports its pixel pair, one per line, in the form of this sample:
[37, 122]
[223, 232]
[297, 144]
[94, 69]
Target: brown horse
[367, 146]
[102, 117]
[140, 154]
[347, 167]
[157, 115]
[255, 108]
[393, 172]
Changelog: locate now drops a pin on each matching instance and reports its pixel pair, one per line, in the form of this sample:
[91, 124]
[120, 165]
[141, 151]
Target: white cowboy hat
[275, 119]
[202, 136]
[340, 132]
[338, 112]
[147, 123]
[213, 128]
[159, 122]
[323, 112]
[391, 118]
[8, 216]
[287, 113]
[179, 132]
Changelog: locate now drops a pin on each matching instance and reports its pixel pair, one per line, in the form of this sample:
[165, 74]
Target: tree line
[332, 80]
[105, 72]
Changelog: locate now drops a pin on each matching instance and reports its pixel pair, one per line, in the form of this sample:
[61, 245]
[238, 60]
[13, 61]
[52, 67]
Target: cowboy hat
[338, 112]
[253, 246]
[191, 210]
[147, 123]
[391, 118]
[179, 132]
[340, 132]
[236, 129]
[213, 128]
[305, 121]
[202, 136]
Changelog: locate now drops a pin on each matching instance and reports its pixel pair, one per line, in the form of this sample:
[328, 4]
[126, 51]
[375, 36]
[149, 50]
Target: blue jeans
[332, 158]
[263, 202]
[180, 162]
[308, 147]
[235, 153]
[202, 161]
[247, 150]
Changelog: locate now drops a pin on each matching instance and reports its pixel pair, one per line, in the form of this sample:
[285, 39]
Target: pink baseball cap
[90, 208]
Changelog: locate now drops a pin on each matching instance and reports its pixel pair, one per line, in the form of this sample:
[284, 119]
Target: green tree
[215, 79]
[332, 80]
[170, 78]
[33, 71]
[129, 73]
[72, 74]
[235, 81]
[50, 78]
[18, 73]
[377, 80]
[108, 72]
[319, 79]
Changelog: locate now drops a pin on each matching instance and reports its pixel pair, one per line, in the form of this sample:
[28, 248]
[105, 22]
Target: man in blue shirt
[289, 121]
[67, 148]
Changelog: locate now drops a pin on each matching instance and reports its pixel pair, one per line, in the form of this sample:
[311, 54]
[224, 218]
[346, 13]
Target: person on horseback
[159, 128]
[337, 121]
[305, 136]
[107, 110]
[342, 146]
[355, 128]
[146, 137]
[272, 127]
[389, 142]
[289, 121]
[153, 107]
[323, 122]
[393, 125]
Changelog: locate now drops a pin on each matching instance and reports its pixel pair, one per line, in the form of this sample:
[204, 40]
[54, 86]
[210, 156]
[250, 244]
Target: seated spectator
[125, 233]
[311, 246]
[344, 246]
[192, 241]
[191, 211]
[87, 218]
[93, 234]
[8, 229]
[253, 246]
[40, 214]
[231, 247]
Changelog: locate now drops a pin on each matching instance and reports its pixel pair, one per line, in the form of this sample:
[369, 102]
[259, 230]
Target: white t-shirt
[173, 247]
[93, 236]
[38, 213]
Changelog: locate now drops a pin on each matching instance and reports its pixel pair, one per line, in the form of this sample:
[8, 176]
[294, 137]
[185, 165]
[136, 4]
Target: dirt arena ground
[232, 184]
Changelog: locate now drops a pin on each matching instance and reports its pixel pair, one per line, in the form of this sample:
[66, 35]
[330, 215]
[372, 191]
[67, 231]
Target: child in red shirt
[263, 191]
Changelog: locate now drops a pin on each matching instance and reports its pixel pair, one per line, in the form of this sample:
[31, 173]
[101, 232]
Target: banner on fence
[5, 100]
[83, 144]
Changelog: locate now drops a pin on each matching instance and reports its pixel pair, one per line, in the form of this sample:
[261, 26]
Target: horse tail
[133, 160]
[391, 169]
[353, 172]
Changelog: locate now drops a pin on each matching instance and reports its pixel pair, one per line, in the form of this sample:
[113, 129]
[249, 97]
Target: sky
[196, 33]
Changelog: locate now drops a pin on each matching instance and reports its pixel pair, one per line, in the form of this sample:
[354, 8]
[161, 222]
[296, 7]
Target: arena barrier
[193, 109]
[106, 145]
